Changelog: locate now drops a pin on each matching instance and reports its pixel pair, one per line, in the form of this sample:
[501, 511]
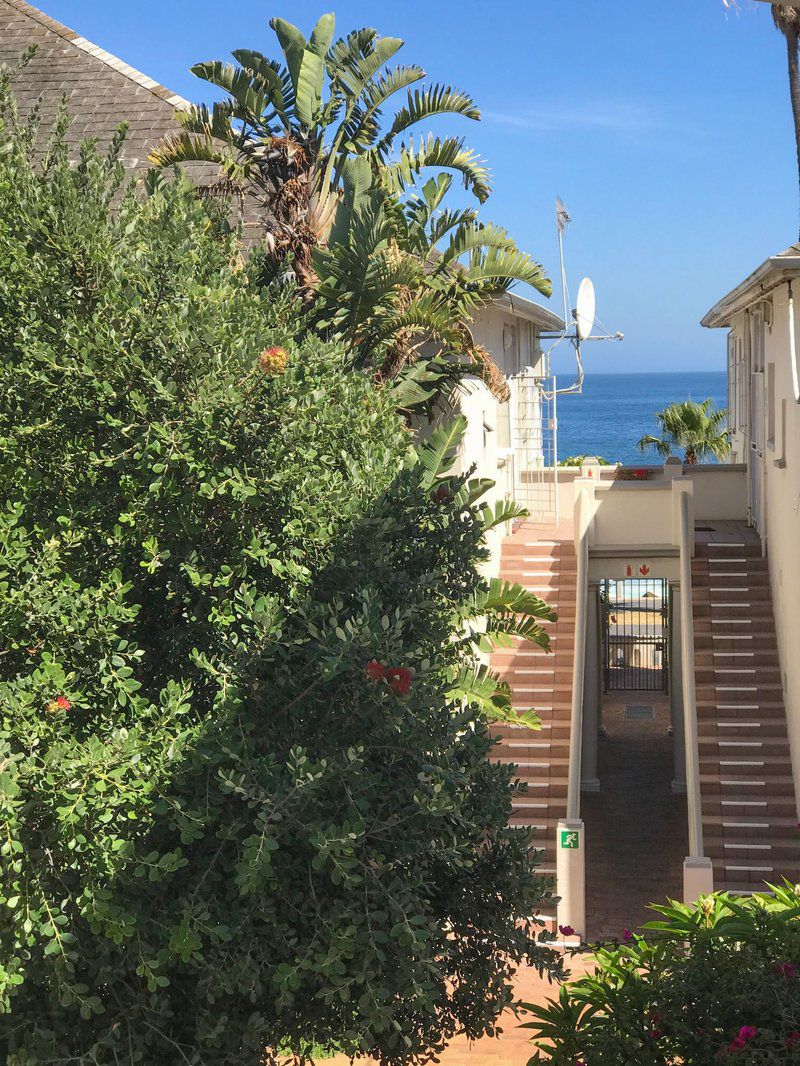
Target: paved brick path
[636, 829]
[512, 1047]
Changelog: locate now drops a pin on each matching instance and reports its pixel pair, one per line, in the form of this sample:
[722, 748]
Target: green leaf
[439, 452]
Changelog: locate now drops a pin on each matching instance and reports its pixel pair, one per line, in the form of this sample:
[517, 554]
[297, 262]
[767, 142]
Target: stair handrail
[691, 744]
[578, 662]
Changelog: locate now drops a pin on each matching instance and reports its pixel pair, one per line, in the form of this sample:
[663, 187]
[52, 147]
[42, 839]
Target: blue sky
[666, 129]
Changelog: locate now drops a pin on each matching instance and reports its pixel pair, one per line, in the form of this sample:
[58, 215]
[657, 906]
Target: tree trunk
[792, 34]
[691, 457]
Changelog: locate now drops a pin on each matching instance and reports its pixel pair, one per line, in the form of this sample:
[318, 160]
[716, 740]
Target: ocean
[615, 410]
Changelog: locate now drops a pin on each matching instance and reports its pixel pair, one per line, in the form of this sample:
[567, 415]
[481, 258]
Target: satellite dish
[584, 311]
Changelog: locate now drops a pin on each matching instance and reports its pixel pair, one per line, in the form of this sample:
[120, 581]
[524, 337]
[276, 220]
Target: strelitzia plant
[307, 132]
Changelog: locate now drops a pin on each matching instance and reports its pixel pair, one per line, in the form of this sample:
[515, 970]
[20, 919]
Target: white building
[761, 315]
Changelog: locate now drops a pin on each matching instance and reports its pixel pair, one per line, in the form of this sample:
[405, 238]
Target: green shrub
[241, 802]
[718, 982]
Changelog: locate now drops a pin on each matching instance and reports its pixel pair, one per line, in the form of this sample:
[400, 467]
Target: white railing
[698, 877]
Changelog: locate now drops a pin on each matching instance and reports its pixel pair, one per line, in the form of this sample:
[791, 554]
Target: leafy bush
[579, 460]
[717, 982]
[244, 786]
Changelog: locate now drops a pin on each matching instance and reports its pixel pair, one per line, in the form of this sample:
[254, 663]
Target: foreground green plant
[717, 982]
[245, 799]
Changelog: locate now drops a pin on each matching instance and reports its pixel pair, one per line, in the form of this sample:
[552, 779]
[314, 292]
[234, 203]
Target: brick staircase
[747, 790]
[543, 681]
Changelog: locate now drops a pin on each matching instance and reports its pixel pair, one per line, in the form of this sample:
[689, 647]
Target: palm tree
[307, 133]
[696, 428]
[787, 20]
[402, 282]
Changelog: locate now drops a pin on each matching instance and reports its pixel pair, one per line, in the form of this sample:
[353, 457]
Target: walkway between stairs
[636, 828]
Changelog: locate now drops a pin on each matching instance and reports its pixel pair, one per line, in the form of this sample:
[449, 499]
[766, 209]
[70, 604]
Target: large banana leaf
[503, 511]
[511, 598]
[479, 687]
[273, 80]
[439, 452]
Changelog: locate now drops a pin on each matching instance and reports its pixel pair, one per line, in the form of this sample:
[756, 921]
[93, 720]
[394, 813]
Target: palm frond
[505, 265]
[252, 101]
[447, 153]
[182, 147]
[423, 104]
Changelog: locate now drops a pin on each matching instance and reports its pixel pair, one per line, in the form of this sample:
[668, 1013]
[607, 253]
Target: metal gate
[635, 636]
[534, 442]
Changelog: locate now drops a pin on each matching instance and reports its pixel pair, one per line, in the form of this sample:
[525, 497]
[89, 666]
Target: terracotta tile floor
[512, 1047]
[636, 829]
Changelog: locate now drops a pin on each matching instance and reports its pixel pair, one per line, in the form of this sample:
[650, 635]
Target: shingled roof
[101, 91]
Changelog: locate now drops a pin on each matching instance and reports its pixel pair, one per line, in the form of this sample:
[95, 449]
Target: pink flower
[399, 679]
[441, 494]
[739, 1042]
[375, 671]
[627, 936]
[792, 1040]
[566, 930]
[786, 969]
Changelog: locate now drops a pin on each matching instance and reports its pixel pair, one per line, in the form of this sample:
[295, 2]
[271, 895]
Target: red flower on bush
[627, 936]
[792, 1040]
[740, 1041]
[786, 969]
[399, 679]
[60, 703]
[566, 930]
[273, 360]
[375, 671]
[441, 494]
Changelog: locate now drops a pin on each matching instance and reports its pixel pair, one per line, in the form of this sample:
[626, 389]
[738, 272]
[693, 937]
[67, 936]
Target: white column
[571, 874]
[590, 782]
[676, 691]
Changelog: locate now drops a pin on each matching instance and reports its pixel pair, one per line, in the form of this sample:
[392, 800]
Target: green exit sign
[570, 840]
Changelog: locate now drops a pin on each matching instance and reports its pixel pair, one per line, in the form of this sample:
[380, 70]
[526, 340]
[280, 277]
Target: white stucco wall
[781, 525]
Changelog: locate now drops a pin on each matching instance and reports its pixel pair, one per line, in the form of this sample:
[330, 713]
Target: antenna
[584, 314]
[563, 219]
